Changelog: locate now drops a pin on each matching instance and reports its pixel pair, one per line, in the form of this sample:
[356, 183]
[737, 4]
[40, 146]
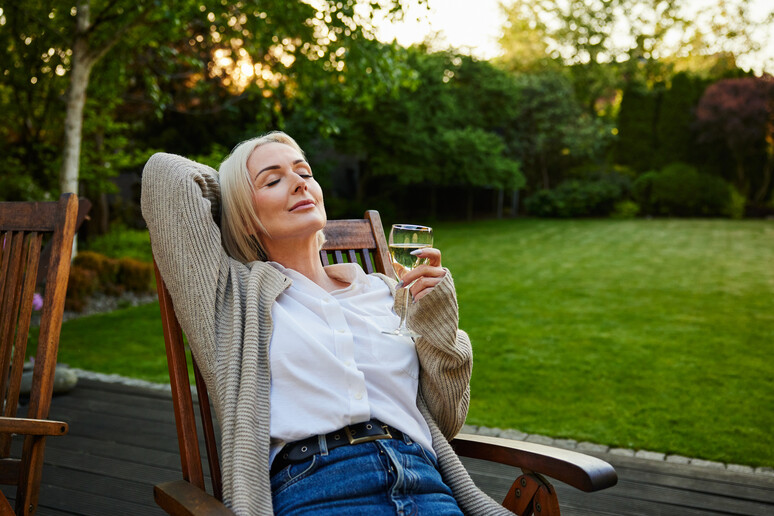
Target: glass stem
[404, 315]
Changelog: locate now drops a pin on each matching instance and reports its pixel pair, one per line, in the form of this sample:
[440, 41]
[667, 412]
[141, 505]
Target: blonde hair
[240, 226]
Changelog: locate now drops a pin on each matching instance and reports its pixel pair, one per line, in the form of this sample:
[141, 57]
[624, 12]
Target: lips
[301, 204]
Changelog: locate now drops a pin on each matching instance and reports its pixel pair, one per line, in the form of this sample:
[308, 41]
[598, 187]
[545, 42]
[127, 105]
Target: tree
[552, 130]
[739, 114]
[255, 35]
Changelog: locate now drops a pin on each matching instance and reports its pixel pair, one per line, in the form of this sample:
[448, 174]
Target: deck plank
[123, 440]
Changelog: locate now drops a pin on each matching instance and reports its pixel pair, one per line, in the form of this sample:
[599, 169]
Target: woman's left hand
[425, 276]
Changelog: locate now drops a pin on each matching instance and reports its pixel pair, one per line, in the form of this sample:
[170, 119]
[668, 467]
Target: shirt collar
[350, 273]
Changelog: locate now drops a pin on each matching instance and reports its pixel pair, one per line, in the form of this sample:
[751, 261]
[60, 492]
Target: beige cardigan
[224, 307]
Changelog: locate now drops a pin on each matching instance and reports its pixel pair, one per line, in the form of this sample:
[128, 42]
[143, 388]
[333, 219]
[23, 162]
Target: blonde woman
[292, 352]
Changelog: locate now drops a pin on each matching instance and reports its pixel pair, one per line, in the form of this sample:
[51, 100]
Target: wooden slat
[209, 432]
[367, 263]
[32, 245]
[190, 458]
[348, 234]
[30, 216]
[382, 261]
[10, 306]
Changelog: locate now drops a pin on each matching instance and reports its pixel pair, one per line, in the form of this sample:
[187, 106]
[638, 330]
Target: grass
[645, 334]
[128, 342]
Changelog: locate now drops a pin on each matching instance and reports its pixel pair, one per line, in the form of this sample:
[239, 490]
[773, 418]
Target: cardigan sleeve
[180, 205]
[445, 355]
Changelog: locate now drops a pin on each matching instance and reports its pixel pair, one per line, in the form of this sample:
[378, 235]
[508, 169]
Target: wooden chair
[356, 241]
[23, 228]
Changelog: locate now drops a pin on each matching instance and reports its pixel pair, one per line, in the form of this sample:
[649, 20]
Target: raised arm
[179, 200]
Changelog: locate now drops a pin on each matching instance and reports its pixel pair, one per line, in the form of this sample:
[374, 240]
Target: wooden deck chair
[356, 241]
[24, 227]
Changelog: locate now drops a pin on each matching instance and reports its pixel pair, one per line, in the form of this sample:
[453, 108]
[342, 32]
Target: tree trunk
[515, 203]
[470, 204]
[500, 202]
[76, 100]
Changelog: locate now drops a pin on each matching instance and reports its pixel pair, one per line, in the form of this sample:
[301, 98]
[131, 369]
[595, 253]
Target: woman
[292, 352]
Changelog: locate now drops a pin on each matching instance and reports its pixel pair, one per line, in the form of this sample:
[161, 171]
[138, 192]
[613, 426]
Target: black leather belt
[299, 451]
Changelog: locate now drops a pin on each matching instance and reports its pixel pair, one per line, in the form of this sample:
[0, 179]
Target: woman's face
[288, 201]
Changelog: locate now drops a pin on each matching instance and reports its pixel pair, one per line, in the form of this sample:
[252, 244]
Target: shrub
[82, 283]
[105, 268]
[122, 242]
[625, 210]
[94, 272]
[577, 198]
[134, 275]
[680, 190]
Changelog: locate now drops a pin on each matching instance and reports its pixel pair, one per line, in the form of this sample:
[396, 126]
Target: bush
[134, 275]
[122, 242]
[82, 283]
[577, 198]
[680, 190]
[625, 210]
[105, 268]
[94, 272]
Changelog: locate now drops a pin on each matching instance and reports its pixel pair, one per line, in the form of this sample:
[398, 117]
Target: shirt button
[341, 331]
[359, 396]
[348, 363]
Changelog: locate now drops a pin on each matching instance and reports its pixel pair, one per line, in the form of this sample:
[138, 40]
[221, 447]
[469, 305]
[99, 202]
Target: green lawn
[646, 334]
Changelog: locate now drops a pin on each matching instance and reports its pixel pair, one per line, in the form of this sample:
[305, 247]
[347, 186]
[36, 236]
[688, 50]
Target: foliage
[550, 131]
[576, 198]
[673, 127]
[122, 242]
[625, 209]
[637, 118]
[167, 57]
[93, 272]
[739, 114]
[680, 190]
[448, 126]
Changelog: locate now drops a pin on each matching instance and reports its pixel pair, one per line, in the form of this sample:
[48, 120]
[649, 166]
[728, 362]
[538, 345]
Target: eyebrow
[276, 167]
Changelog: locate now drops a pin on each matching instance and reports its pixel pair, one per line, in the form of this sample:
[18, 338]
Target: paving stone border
[587, 447]
[567, 444]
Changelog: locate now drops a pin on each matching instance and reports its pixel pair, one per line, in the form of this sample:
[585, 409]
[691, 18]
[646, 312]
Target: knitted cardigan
[224, 307]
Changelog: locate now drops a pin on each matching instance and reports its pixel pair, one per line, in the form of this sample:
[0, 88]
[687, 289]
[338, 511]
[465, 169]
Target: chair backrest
[359, 241]
[24, 228]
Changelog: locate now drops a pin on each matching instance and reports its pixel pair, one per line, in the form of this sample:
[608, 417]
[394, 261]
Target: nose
[300, 185]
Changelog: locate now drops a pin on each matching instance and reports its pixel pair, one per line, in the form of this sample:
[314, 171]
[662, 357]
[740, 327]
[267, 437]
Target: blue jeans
[393, 477]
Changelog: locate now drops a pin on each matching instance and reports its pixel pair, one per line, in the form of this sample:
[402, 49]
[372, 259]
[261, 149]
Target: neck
[303, 258]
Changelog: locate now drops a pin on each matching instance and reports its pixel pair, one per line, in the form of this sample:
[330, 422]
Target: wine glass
[405, 239]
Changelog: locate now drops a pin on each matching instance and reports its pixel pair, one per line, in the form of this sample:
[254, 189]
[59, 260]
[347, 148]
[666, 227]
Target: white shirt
[331, 365]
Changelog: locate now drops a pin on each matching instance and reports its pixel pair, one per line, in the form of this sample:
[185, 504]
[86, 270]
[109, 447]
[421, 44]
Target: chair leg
[532, 494]
[30, 475]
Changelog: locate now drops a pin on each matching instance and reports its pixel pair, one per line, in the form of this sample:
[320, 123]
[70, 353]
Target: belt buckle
[367, 438]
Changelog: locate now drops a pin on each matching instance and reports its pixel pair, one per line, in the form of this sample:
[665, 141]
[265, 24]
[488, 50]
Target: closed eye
[272, 183]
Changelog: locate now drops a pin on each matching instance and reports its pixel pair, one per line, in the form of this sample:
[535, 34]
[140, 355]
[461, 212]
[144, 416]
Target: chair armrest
[180, 498]
[25, 426]
[576, 469]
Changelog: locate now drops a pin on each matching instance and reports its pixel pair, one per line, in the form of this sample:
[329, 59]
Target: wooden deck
[122, 441]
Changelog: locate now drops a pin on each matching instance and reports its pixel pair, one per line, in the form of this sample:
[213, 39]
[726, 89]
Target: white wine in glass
[405, 239]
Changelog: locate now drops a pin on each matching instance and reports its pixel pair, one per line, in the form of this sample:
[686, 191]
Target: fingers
[431, 255]
[424, 285]
[424, 277]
